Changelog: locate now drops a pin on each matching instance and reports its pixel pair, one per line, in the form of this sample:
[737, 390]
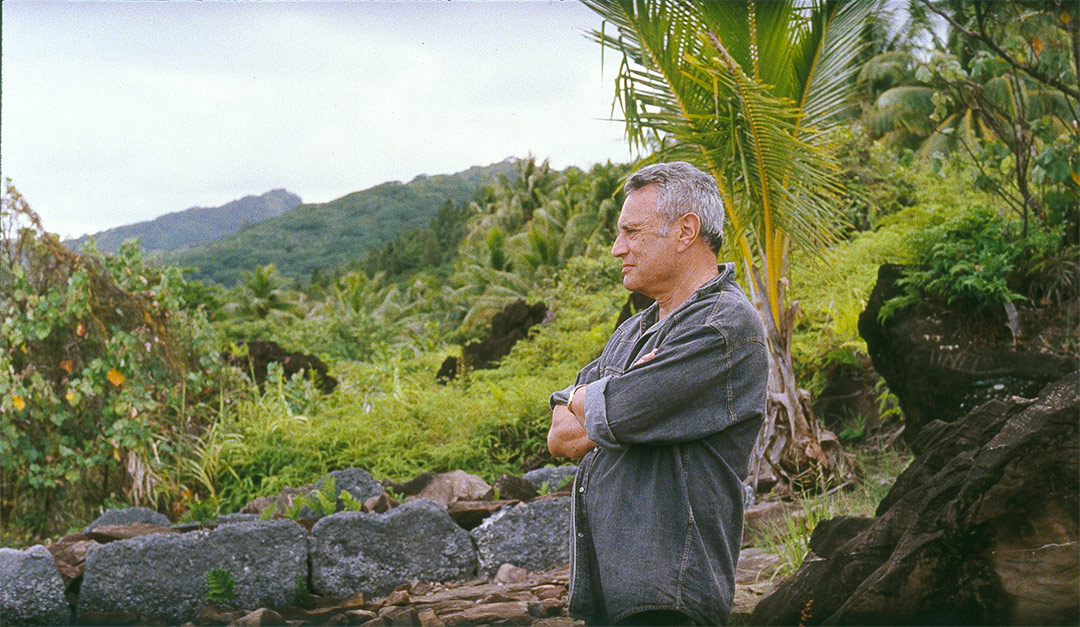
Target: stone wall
[131, 566]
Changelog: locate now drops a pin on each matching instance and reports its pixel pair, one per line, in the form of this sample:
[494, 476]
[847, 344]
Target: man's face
[646, 244]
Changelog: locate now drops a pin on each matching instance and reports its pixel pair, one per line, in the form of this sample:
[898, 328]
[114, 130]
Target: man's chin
[633, 286]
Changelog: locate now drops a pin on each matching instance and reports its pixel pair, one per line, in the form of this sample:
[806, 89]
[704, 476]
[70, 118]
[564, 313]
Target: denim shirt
[658, 505]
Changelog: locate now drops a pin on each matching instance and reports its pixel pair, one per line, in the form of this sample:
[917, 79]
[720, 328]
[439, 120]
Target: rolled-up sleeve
[691, 389]
[585, 375]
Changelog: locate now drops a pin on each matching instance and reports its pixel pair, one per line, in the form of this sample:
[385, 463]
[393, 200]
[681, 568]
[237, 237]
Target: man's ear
[689, 229]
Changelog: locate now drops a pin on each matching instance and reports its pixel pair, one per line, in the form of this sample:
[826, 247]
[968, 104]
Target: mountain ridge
[195, 225]
[315, 237]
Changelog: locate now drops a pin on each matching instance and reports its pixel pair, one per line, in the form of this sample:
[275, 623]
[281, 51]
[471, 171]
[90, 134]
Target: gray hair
[684, 189]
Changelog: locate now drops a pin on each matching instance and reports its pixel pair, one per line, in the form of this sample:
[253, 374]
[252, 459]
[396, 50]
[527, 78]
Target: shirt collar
[725, 272]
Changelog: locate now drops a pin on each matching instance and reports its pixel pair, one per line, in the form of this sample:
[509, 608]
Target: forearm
[567, 437]
[701, 382]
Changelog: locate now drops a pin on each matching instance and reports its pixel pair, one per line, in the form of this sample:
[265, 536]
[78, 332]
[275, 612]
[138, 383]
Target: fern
[220, 588]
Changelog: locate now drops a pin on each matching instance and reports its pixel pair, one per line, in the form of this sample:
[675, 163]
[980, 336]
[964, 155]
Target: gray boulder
[129, 515]
[554, 477]
[356, 481]
[232, 519]
[373, 553]
[31, 590]
[534, 536]
[163, 577]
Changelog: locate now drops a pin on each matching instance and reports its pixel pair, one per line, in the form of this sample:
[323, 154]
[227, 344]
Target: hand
[646, 358]
[567, 438]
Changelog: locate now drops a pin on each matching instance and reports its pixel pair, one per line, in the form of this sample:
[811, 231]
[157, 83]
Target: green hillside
[194, 226]
[321, 236]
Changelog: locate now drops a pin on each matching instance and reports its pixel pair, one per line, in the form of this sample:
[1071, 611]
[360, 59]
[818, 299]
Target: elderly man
[665, 420]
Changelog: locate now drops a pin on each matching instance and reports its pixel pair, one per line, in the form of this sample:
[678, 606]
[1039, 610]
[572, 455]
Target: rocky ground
[513, 597]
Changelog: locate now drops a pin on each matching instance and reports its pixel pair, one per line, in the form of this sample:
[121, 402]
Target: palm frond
[827, 68]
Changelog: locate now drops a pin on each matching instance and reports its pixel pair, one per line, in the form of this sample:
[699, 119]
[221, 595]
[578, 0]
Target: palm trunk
[793, 453]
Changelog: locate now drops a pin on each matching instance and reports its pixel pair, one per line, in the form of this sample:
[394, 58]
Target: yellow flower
[70, 396]
[115, 377]
[18, 402]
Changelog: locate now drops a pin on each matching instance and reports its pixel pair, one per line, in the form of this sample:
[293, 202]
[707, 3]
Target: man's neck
[699, 275]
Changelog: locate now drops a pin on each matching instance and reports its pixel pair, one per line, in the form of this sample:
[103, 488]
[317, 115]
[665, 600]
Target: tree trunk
[793, 453]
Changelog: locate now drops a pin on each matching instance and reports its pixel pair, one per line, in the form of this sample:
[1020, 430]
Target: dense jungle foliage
[114, 391]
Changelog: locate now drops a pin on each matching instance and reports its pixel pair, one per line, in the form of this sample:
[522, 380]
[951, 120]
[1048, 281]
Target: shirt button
[581, 489]
[581, 535]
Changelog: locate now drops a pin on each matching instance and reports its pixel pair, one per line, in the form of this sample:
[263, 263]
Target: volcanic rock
[507, 327]
[552, 478]
[514, 488]
[128, 515]
[31, 590]
[163, 577]
[449, 487]
[533, 536]
[373, 553]
[260, 353]
[942, 362]
[983, 528]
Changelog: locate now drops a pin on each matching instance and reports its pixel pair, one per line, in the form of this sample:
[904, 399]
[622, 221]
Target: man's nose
[618, 249]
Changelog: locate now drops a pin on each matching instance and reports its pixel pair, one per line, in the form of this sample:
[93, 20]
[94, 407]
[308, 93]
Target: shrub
[968, 261]
[106, 377]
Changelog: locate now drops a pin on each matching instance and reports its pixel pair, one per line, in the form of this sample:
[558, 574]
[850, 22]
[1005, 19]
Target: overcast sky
[116, 112]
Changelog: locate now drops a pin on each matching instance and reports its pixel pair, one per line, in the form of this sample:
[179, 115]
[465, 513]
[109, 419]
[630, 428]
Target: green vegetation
[301, 595]
[323, 502]
[340, 230]
[220, 587]
[790, 539]
[108, 384]
[113, 391]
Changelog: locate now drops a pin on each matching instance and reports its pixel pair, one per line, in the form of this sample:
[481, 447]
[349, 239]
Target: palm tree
[749, 90]
[262, 295]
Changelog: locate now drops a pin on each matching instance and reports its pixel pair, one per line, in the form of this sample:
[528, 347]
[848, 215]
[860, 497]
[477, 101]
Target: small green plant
[400, 498]
[854, 429]
[220, 587]
[545, 488]
[203, 510]
[790, 541]
[301, 597]
[323, 501]
[350, 503]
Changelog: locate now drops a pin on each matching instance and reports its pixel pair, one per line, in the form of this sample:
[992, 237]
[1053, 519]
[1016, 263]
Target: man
[665, 419]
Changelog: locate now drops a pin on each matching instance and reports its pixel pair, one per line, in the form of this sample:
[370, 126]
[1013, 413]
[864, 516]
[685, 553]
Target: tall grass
[790, 539]
[394, 420]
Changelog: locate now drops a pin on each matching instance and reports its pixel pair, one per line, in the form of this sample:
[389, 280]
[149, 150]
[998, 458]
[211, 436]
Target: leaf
[115, 377]
[1037, 45]
[67, 365]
